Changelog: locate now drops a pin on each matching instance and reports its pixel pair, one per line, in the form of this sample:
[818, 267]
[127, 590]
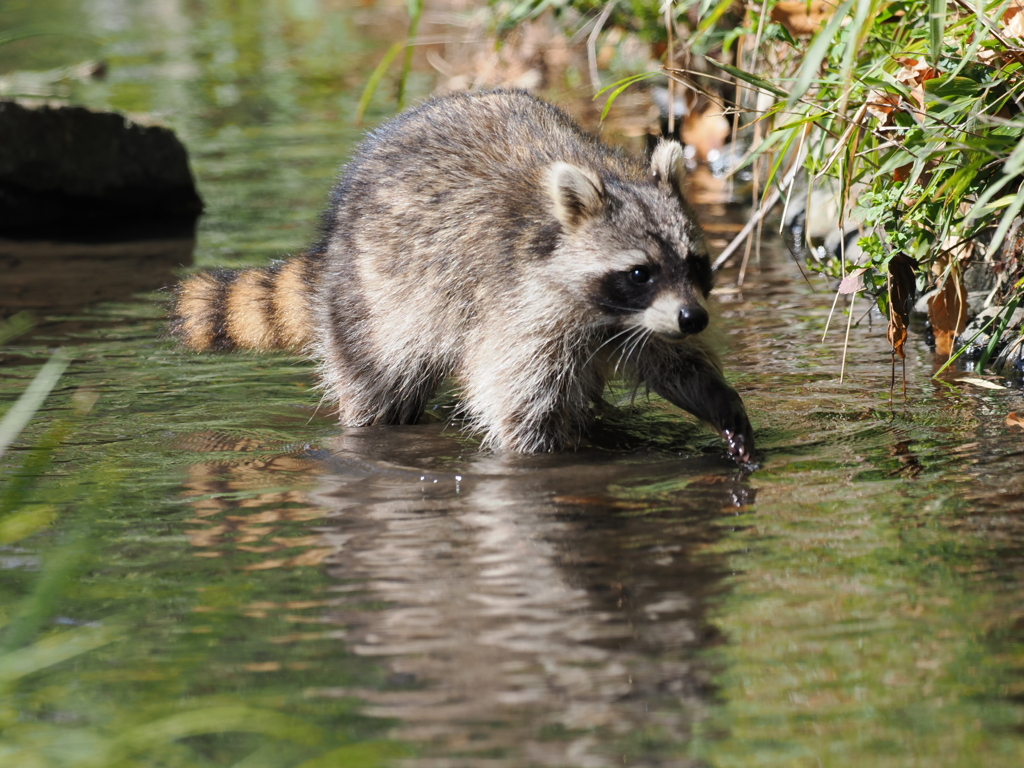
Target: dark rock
[63, 169]
[978, 333]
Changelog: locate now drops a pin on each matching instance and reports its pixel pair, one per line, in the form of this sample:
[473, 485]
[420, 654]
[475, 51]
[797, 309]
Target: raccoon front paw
[740, 439]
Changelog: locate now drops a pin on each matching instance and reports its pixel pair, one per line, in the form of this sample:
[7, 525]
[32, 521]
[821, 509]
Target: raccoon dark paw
[740, 440]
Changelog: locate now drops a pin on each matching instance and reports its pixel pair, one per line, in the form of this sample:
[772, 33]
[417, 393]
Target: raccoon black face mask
[487, 238]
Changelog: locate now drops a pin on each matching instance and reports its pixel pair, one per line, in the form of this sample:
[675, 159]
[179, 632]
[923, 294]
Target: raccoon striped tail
[260, 309]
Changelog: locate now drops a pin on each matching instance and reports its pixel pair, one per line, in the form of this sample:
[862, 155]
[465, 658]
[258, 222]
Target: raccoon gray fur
[489, 239]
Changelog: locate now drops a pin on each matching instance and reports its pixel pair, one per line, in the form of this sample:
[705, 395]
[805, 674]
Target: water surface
[199, 568]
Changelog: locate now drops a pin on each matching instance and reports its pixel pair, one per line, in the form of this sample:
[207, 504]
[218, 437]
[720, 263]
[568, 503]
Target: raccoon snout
[693, 320]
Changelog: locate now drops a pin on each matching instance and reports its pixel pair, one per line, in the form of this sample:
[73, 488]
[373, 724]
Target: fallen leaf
[902, 287]
[913, 74]
[1013, 420]
[980, 383]
[802, 18]
[902, 173]
[853, 282]
[947, 311]
[881, 105]
[1013, 20]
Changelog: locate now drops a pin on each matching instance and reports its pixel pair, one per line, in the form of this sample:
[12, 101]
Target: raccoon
[488, 239]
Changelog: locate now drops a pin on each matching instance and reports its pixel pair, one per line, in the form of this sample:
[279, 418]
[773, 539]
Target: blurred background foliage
[902, 119]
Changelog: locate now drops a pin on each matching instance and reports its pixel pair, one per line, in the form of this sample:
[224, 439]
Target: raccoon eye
[640, 275]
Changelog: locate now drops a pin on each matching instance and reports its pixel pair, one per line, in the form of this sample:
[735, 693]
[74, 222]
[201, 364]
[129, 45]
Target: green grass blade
[375, 77]
[709, 21]
[625, 82]
[622, 85]
[15, 326]
[415, 13]
[963, 348]
[856, 32]
[368, 754]
[936, 28]
[1004, 223]
[53, 650]
[817, 52]
[32, 398]
[26, 32]
[747, 77]
[994, 340]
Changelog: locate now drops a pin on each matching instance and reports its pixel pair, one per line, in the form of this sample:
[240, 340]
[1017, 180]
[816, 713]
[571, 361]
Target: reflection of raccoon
[488, 238]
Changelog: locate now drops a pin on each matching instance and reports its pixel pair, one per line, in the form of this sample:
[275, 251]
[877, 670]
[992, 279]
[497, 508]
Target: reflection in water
[254, 523]
[540, 611]
[543, 614]
[44, 275]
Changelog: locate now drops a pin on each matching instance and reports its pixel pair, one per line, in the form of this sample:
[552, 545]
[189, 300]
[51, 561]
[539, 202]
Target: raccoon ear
[577, 193]
[667, 165]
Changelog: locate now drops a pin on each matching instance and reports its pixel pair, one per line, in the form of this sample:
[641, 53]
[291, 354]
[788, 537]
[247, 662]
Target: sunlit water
[204, 570]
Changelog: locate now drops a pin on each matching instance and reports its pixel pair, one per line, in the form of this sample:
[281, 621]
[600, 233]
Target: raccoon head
[646, 263]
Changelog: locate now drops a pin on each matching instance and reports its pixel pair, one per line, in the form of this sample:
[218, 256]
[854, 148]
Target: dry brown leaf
[802, 18]
[1013, 20]
[902, 286]
[1013, 420]
[853, 282]
[881, 105]
[947, 311]
[902, 173]
[979, 383]
[913, 74]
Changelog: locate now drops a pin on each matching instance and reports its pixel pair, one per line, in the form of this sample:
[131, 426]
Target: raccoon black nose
[693, 319]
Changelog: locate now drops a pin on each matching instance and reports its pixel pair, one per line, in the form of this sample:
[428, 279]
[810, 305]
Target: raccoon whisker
[317, 409]
[636, 339]
[629, 310]
[634, 333]
[637, 347]
[606, 342]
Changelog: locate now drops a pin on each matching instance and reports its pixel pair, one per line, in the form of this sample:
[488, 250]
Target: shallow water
[199, 568]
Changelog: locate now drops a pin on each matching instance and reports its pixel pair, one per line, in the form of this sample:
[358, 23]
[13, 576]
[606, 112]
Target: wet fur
[487, 238]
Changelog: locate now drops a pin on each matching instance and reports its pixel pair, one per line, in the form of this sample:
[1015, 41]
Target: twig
[846, 341]
[671, 63]
[755, 217]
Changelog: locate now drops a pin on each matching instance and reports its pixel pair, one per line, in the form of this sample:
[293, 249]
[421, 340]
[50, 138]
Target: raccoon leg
[368, 396]
[528, 401]
[689, 376]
